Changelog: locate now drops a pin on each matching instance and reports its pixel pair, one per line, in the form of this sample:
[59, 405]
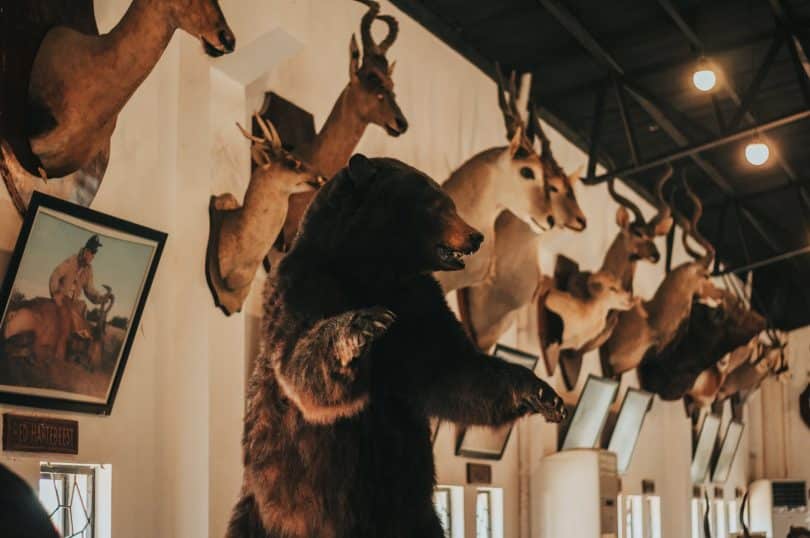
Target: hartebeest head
[371, 88]
[638, 236]
[204, 20]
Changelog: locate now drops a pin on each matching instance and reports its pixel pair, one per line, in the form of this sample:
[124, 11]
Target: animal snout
[579, 224]
[475, 239]
[655, 256]
[401, 124]
[227, 39]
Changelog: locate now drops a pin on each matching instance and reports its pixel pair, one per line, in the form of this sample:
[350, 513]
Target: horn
[369, 46]
[393, 32]
[622, 201]
[708, 258]
[537, 130]
[510, 117]
[664, 210]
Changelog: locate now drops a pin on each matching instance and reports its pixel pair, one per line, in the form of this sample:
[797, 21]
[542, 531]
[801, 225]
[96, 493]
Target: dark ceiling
[615, 78]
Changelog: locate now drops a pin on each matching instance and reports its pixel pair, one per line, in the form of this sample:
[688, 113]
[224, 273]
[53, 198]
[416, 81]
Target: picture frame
[70, 305]
[483, 442]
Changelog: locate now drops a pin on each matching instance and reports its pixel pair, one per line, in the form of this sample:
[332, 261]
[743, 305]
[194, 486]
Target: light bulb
[704, 79]
[757, 153]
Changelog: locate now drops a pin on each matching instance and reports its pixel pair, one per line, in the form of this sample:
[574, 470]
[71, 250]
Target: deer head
[769, 360]
[371, 89]
[638, 237]
[204, 20]
[289, 174]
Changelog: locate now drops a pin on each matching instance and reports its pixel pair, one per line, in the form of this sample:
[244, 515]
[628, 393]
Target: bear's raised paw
[545, 401]
[365, 326]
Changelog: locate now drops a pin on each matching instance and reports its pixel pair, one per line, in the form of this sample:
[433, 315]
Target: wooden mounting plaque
[25, 433]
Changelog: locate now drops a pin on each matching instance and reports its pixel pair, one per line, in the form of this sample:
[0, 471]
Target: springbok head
[288, 172]
[204, 20]
[371, 88]
[639, 236]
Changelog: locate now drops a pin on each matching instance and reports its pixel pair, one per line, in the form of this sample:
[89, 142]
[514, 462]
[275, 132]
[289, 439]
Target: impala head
[639, 236]
[521, 187]
[204, 20]
[289, 174]
[605, 287]
[371, 88]
[562, 200]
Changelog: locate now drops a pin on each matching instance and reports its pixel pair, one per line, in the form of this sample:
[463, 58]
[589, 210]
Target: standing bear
[359, 349]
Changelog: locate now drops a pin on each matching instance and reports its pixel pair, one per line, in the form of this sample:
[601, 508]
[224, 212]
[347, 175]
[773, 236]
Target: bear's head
[383, 215]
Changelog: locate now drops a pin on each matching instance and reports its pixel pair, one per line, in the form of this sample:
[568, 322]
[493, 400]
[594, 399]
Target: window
[67, 493]
[698, 513]
[77, 498]
[483, 514]
[443, 503]
[639, 516]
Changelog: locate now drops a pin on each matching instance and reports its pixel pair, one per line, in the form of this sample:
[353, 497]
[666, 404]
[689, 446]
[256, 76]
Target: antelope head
[371, 88]
[204, 20]
[607, 290]
[638, 237]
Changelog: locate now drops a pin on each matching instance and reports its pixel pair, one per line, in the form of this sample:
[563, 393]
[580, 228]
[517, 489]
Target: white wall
[173, 437]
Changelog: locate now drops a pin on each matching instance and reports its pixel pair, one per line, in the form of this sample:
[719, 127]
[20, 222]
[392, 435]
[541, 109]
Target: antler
[621, 200]
[664, 210]
[259, 147]
[708, 257]
[511, 114]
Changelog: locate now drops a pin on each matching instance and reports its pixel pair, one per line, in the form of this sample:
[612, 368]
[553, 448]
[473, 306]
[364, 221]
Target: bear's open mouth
[450, 258]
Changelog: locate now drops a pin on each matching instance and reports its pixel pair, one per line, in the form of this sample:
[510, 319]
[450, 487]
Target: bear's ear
[361, 170]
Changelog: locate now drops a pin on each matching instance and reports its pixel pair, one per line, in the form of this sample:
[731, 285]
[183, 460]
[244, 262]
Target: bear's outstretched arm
[452, 379]
[327, 373]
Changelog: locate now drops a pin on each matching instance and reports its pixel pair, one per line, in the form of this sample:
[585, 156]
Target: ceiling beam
[694, 149]
[629, 132]
[744, 109]
[590, 44]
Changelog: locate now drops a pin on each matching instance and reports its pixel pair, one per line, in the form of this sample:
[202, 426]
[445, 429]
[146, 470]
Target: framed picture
[485, 442]
[70, 305]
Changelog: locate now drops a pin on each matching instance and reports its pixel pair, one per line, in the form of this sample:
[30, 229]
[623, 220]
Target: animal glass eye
[527, 172]
[380, 97]
[552, 188]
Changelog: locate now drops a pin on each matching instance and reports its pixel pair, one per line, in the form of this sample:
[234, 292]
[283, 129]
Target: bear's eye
[527, 172]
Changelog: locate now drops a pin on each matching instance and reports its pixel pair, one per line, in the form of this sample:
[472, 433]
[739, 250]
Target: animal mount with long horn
[368, 99]
[489, 308]
[497, 180]
[79, 83]
[655, 323]
[240, 236]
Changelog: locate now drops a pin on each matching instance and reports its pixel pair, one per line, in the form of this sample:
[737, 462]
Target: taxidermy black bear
[359, 349]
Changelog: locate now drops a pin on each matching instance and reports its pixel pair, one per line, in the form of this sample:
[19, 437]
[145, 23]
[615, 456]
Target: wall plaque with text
[26, 433]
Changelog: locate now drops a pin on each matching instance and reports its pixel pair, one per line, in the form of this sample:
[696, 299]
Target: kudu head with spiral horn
[636, 239]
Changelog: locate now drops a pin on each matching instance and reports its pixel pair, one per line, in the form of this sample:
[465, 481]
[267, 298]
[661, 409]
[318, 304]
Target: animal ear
[391, 68]
[663, 226]
[354, 58]
[361, 170]
[622, 217]
[577, 175]
[516, 142]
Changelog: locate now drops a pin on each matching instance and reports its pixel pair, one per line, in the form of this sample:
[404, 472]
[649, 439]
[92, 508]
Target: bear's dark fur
[359, 349]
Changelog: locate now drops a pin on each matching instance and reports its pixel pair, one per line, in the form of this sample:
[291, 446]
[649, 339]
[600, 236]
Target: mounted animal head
[371, 88]
[560, 186]
[769, 360]
[289, 173]
[638, 237]
[204, 20]
[536, 189]
[607, 290]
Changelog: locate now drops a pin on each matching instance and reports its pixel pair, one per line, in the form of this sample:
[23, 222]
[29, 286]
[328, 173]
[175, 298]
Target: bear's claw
[373, 322]
[546, 402]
